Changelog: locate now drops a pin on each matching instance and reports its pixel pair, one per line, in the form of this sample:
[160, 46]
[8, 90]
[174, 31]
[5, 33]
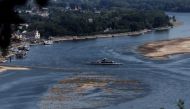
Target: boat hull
[105, 63]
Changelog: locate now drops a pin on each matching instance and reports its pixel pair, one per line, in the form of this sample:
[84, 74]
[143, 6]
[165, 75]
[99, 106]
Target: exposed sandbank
[6, 68]
[163, 49]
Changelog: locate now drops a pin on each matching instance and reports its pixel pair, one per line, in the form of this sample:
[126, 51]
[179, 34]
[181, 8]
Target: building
[44, 12]
[90, 20]
[37, 35]
[33, 35]
[97, 12]
[107, 30]
[17, 36]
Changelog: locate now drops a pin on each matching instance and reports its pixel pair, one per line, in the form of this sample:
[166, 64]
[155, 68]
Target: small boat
[105, 61]
[3, 61]
[162, 29]
[135, 33]
[27, 47]
[14, 49]
[21, 54]
[48, 42]
[24, 48]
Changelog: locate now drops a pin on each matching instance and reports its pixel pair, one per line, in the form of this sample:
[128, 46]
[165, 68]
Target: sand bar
[6, 68]
[163, 49]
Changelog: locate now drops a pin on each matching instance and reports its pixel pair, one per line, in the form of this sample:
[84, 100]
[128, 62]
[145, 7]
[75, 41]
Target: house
[43, 12]
[90, 20]
[97, 12]
[28, 11]
[23, 26]
[37, 34]
[17, 36]
[33, 35]
[107, 30]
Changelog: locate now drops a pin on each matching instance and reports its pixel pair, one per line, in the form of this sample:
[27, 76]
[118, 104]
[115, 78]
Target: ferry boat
[48, 42]
[105, 61]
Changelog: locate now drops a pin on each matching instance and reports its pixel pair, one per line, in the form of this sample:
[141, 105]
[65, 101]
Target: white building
[17, 35]
[90, 20]
[37, 35]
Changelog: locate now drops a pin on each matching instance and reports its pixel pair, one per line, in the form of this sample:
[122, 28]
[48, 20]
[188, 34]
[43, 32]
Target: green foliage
[62, 23]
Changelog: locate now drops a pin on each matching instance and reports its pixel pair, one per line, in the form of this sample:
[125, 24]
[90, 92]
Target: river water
[161, 82]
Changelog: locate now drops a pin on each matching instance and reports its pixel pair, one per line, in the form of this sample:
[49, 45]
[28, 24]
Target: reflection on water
[91, 92]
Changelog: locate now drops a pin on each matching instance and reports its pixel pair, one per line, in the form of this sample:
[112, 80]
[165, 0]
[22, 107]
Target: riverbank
[75, 38]
[70, 38]
[109, 35]
[163, 49]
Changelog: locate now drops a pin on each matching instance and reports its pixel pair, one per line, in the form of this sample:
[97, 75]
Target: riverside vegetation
[92, 18]
[114, 21]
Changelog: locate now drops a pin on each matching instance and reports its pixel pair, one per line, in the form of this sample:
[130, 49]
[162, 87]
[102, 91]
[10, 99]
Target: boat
[24, 48]
[162, 29]
[105, 61]
[3, 61]
[21, 54]
[27, 47]
[48, 42]
[135, 33]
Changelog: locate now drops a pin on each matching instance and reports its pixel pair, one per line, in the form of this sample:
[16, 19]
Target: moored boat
[20, 54]
[162, 29]
[48, 42]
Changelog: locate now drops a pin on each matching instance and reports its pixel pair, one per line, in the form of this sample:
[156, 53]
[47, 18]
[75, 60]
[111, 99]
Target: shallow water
[165, 81]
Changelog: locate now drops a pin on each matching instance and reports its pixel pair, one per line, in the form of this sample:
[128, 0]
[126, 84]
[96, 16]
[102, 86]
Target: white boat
[3, 61]
[25, 48]
[162, 29]
[105, 62]
[48, 42]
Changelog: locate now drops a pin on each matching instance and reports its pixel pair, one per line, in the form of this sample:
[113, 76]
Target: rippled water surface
[61, 79]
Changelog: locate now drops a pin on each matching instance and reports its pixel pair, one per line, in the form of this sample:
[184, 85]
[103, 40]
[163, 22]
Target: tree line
[166, 5]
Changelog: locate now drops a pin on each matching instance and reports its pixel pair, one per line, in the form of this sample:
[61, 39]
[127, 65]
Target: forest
[78, 23]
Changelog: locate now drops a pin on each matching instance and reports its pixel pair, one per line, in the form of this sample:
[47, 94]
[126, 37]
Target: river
[163, 82]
